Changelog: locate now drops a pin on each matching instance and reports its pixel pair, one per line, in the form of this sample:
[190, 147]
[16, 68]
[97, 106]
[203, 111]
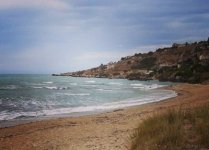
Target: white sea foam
[9, 87]
[63, 88]
[48, 82]
[103, 107]
[146, 87]
[106, 90]
[138, 84]
[11, 115]
[90, 81]
[77, 92]
[108, 106]
[51, 87]
[154, 86]
[115, 83]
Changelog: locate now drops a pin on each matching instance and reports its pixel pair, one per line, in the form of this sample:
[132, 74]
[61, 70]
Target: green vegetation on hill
[145, 63]
[174, 130]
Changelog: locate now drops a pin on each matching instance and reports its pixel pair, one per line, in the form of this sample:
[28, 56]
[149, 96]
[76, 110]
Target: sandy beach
[106, 131]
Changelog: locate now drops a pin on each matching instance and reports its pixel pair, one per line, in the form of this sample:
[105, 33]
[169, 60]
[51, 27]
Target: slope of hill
[187, 62]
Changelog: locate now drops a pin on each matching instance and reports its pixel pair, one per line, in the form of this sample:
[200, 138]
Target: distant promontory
[188, 62]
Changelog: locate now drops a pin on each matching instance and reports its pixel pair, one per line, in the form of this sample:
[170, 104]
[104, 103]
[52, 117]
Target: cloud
[115, 55]
[38, 35]
[175, 24]
[54, 4]
[50, 59]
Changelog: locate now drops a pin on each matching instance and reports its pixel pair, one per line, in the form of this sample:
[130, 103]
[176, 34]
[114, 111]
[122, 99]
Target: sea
[41, 96]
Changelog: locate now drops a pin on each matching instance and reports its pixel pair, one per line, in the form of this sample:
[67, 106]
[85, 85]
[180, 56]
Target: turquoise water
[25, 96]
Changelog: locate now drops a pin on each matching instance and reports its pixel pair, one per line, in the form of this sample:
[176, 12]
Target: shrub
[173, 130]
[159, 132]
[146, 63]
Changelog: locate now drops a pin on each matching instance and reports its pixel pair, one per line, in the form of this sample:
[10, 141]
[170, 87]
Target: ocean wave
[63, 88]
[154, 86]
[90, 81]
[82, 109]
[37, 87]
[137, 84]
[106, 90]
[48, 82]
[115, 83]
[138, 87]
[146, 87]
[51, 87]
[14, 115]
[73, 83]
[75, 94]
[9, 87]
[36, 84]
[116, 88]
[108, 106]
[88, 85]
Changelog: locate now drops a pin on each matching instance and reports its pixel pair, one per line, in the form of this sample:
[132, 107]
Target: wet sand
[106, 131]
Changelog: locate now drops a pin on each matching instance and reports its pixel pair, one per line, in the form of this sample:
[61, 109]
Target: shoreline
[121, 105]
[108, 130]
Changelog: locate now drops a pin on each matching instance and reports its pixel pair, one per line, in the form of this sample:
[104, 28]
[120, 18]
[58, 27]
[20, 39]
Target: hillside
[188, 62]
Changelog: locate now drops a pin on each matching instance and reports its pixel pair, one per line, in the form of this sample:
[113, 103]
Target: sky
[53, 36]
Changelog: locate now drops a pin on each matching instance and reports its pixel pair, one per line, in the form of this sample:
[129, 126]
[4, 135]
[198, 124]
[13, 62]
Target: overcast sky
[52, 36]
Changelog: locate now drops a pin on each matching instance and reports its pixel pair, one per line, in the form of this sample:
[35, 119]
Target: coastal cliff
[188, 62]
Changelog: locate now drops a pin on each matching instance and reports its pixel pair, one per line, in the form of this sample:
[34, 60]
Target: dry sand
[106, 131]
